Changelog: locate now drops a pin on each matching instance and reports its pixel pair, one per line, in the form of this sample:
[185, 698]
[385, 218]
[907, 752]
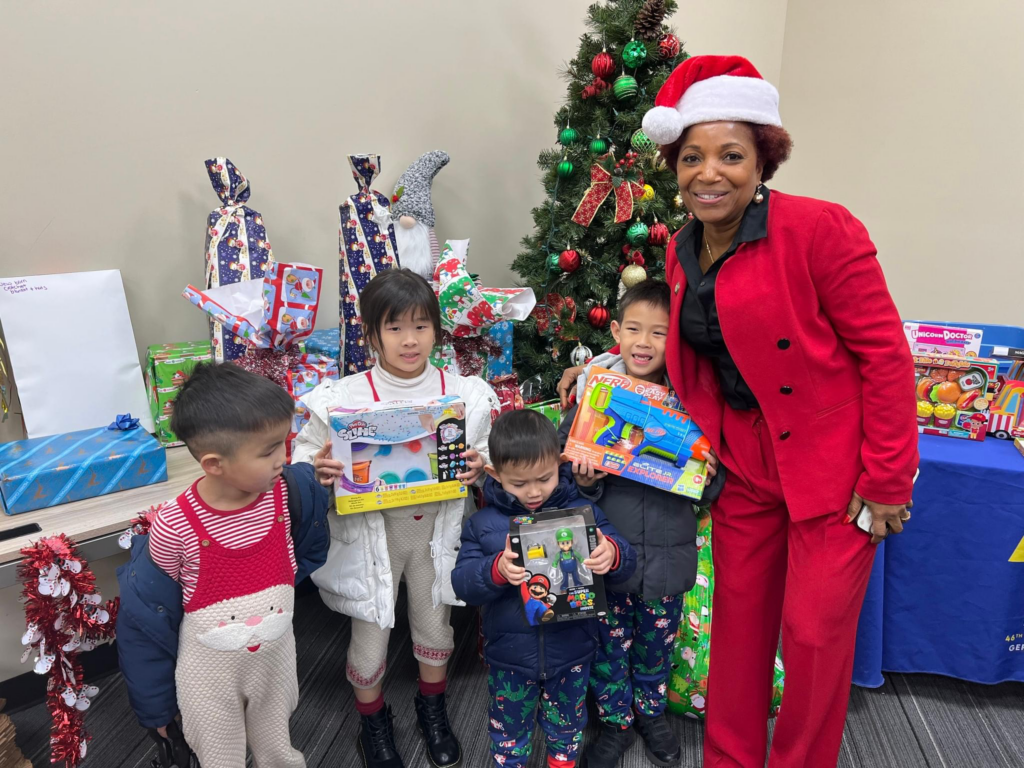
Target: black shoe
[663, 747]
[172, 752]
[377, 741]
[443, 748]
[610, 746]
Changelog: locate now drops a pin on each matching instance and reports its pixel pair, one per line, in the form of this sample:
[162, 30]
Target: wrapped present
[324, 343]
[167, 367]
[46, 471]
[549, 409]
[366, 246]
[507, 390]
[471, 316]
[237, 248]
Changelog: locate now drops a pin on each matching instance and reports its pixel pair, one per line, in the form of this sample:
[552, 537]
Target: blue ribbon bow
[124, 422]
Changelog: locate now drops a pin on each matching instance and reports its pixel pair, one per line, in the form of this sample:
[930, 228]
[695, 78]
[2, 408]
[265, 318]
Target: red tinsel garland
[64, 616]
[471, 352]
[272, 364]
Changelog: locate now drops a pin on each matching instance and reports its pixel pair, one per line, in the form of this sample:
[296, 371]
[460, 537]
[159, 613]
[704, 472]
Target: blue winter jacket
[509, 642]
[151, 606]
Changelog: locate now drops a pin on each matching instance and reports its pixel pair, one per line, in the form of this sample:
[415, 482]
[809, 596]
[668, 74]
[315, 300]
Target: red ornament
[668, 46]
[602, 65]
[600, 85]
[626, 249]
[621, 267]
[569, 261]
[598, 317]
[637, 258]
[658, 234]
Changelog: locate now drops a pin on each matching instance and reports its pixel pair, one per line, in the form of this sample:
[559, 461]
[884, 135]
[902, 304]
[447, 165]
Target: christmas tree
[611, 201]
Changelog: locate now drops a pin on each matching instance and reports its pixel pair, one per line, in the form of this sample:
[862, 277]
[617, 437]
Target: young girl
[371, 551]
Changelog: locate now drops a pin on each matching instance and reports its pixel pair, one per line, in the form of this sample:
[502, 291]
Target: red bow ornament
[604, 183]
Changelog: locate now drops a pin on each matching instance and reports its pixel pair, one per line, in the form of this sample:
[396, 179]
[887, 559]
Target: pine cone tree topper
[648, 21]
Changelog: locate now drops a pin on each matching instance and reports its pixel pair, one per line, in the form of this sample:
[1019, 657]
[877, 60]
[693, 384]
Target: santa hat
[412, 192]
[705, 89]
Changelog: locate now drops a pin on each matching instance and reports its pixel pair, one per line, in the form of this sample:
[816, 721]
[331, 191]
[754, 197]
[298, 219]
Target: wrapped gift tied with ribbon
[273, 316]
[607, 177]
[237, 248]
[470, 313]
[46, 471]
[366, 246]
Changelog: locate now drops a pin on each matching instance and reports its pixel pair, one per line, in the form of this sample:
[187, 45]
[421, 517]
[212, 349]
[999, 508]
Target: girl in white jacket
[371, 551]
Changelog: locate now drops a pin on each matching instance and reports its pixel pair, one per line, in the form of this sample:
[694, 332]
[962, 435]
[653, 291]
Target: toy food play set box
[953, 395]
[927, 339]
[634, 429]
[399, 453]
[551, 546]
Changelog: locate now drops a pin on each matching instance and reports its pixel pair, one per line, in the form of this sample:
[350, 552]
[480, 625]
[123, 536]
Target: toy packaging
[399, 453]
[1006, 414]
[167, 367]
[552, 546]
[927, 339]
[549, 409]
[634, 429]
[953, 395]
[1019, 442]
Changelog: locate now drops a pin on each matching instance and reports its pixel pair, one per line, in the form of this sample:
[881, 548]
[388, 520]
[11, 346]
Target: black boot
[377, 741]
[443, 748]
[663, 747]
[172, 752]
[610, 746]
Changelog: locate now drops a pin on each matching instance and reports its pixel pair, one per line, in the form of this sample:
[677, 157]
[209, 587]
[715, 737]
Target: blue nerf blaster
[669, 434]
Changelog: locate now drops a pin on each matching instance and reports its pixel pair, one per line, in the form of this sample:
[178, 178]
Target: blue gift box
[46, 471]
[501, 334]
[324, 343]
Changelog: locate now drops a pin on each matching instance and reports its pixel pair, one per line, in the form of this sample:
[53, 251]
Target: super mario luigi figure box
[558, 586]
[399, 453]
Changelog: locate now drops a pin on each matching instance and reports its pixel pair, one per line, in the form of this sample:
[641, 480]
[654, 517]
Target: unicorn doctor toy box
[399, 453]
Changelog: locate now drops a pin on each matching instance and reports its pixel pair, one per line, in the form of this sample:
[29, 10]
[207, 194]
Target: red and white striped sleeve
[166, 543]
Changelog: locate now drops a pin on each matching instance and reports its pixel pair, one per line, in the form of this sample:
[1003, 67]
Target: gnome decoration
[418, 248]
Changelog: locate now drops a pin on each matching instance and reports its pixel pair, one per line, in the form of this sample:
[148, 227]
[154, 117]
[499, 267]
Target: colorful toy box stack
[237, 248]
[625, 427]
[273, 316]
[398, 453]
[954, 394]
[47, 471]
[167, 367]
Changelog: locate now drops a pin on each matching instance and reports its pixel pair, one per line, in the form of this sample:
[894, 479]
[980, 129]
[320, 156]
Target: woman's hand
[567, 383]
[585, 474]
[885, 518]
[512, 573]
[327, 470]
[712, 459]
[602, 558]
[474, 467]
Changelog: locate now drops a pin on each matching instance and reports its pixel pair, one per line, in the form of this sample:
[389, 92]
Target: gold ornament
[633, 274]
[677, 201]
[658, 162]
[648, 194]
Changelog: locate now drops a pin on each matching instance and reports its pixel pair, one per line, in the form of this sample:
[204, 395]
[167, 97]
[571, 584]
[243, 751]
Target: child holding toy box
[630, 680]
[371, 551]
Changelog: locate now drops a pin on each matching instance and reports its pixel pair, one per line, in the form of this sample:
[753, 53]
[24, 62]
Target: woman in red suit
[786, 348]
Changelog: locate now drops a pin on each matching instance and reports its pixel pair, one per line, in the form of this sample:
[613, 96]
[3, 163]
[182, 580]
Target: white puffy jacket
[356, 579]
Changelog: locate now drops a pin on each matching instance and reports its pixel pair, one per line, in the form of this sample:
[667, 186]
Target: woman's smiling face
[718, 171]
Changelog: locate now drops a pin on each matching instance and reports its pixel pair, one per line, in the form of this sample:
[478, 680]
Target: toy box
[552, 546]
[953, 395]
[399, 453]
[167, 367]
[928, 339]
[1019, 442]
[549, 409]
[625, 427]
[1006, 414]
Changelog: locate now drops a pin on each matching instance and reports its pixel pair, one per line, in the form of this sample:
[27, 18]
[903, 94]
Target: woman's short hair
[772, 142]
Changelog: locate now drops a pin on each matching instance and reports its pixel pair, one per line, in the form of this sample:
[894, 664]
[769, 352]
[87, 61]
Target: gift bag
[366, 246]
[237, 248]
[688, 683]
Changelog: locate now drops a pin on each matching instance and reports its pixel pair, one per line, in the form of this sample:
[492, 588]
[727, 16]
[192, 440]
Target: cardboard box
[624, 428]
[551, 546]
[399, 453]
[925, 339]
[46, 471]
[954, 395]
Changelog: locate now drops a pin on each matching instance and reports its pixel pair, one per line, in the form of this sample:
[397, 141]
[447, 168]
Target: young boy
[542, 660]
[630, 674]
[207, 597]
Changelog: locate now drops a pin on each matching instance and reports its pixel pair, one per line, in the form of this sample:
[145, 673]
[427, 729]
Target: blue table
[945, 597]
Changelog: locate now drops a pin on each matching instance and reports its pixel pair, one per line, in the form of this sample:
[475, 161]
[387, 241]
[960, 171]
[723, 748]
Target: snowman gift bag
[237, 248]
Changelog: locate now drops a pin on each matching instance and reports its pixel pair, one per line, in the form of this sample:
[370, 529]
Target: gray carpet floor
[913, 721]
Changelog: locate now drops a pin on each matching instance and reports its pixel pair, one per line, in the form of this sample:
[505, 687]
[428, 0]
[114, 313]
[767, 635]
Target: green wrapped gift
[550, 409]
[167, 367]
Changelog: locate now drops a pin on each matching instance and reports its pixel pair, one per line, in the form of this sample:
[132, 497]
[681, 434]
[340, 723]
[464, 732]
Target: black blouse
[698, 321]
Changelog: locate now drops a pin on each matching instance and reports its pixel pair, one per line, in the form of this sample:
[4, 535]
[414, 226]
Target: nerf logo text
[356, 430]
[618, 380]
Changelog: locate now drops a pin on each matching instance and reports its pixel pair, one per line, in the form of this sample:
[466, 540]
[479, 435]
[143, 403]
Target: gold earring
[758, 197]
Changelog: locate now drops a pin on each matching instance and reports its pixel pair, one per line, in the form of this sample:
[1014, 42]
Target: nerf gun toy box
[625, 428]
[551, 546]
[399, 453]
[953, 395]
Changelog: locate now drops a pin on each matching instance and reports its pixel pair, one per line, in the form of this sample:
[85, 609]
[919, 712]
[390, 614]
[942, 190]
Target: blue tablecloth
[944, 597]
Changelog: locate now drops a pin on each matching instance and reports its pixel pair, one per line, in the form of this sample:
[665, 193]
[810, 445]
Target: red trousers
[808, 578]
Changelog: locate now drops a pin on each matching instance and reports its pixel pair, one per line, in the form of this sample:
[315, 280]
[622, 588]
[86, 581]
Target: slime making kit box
[954, 394]
[552, 545]
[399, 453]
[636, 429]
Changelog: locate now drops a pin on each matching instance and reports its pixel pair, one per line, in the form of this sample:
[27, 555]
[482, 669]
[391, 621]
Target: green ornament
[641, 142]
[553, 263]
[637, 233]
[634, 54]
[624, 87]
[598, 146]
[565, 169]
[568, 136]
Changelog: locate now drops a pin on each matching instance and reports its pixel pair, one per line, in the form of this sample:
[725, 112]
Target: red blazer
[807, 307]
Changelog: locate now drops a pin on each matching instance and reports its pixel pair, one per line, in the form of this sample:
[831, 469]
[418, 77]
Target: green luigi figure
[567, 560]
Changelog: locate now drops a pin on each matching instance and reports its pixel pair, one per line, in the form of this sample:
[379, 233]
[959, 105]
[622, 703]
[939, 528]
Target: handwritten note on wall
[72, 351]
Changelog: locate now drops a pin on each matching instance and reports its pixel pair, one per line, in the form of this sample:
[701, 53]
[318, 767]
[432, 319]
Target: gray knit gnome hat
[412, 192]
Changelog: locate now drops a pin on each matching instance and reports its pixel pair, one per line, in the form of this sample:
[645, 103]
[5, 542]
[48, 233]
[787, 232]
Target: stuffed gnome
[418, 248]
